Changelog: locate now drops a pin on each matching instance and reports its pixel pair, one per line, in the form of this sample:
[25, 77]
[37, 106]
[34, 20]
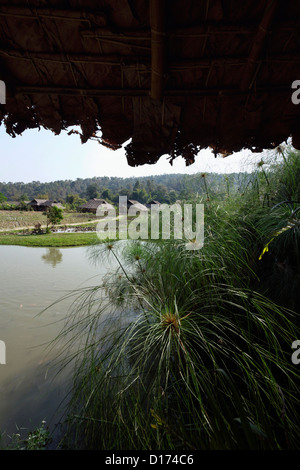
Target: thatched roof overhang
[95, 203]
[172, 76]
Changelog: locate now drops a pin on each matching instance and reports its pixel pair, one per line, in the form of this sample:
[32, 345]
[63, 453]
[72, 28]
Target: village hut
[93, 204]
[38, 204]
[44, 204]
[136, 205]
[152, 203]
[49, 204]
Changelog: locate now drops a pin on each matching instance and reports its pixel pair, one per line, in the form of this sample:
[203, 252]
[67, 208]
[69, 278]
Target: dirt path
[29, 227]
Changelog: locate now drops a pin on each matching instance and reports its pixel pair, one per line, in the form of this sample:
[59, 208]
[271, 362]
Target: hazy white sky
[43, 156]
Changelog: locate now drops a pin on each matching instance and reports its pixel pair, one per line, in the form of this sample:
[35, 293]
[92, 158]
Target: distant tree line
[164, 188]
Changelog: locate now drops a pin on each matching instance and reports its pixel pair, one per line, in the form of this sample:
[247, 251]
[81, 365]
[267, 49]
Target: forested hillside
[165, 188]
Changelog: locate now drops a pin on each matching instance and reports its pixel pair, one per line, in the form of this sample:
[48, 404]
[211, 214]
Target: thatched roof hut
[44, 204]
[93, 204]
[152, 203]
[131, 203]
[49, 203]
[38, 204]
[173, 76]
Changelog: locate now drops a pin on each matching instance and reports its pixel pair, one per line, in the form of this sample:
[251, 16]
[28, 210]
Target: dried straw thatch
[131, 203]
[174, 76]
[44, 204]
[93, 204]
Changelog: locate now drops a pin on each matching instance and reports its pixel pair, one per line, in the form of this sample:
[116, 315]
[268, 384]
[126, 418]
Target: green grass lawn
[49, 239]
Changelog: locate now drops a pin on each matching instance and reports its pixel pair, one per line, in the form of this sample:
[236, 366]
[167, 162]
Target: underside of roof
[171, 76]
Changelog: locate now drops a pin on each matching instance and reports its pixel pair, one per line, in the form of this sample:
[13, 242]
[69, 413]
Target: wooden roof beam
[16, 11]
[130, 92]
[202, 29]
[158, 48]
[65, 57]
[258, 44]
[142, 60]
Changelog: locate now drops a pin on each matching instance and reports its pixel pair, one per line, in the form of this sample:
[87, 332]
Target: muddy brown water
[31, 279]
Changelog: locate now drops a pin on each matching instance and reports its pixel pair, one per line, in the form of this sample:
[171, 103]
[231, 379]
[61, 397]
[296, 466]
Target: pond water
[31, 279]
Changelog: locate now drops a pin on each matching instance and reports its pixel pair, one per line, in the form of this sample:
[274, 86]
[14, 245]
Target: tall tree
[54, 216]
[92, 191]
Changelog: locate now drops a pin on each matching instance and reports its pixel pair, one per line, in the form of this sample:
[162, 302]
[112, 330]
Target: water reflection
[30, 390]
[53, 256]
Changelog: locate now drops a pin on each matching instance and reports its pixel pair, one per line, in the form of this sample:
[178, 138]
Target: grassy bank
[16, 229]
[49, 239]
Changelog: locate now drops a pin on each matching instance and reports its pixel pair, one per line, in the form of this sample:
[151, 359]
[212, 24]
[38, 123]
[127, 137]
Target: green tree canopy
[92, 191]
[54, 216]
[2, 198]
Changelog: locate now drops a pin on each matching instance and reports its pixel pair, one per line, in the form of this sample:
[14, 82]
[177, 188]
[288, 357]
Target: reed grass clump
[190, 350]
[198, 363]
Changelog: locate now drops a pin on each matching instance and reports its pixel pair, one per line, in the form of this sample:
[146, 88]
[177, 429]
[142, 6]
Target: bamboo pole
[142, 60]
[158, 48]
[258, 43]
[16, 11]
[184, 93]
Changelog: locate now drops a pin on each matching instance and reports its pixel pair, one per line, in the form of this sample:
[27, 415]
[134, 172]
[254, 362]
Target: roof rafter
[258, 44]
[94, 92]
[158, 48]
[115, 59]
[202, 73]
[21, 11]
